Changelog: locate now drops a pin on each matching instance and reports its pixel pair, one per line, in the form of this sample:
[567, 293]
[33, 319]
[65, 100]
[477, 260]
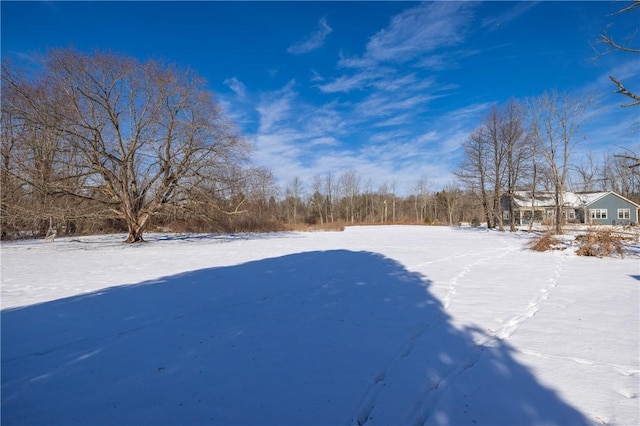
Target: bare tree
[262, 188]
[616, 175]
[317, 199]
[512, 137]
[385, 194]
[350, 184]
[558, 118]
[421, 189]
[36, 160]
[494, 155]
[450, 198]
[587, 173]
[392, 190]
[293, 196]
[330, 188]
[493, 133]
[143, 135]
[533, 140]
[472, 172]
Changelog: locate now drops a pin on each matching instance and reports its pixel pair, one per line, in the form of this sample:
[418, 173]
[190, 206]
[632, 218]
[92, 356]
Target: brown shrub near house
[600, 243]
[546, 242]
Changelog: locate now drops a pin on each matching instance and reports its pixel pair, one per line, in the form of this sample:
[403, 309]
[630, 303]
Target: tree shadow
[316, 338]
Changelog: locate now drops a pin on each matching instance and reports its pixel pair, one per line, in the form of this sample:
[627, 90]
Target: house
[603, 208]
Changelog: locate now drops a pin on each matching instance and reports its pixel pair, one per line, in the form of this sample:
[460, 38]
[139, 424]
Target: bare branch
[633, 5]
[635, 160]
[608, 40]
[622, 90]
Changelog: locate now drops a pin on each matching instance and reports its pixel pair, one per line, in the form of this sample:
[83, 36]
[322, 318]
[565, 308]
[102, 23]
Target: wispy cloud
[237, 86]
[275, 107]
[315, 76]
[495, 22]
[416, 31]
[397, 120]
[347, 83]
[293, 135]
[313, 41]
[389, 136]
[377, 122]
[384, 105]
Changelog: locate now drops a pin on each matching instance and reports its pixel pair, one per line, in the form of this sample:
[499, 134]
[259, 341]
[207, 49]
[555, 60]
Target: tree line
[101, 142]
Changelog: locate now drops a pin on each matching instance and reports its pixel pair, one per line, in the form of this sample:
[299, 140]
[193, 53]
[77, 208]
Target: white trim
[594, 213]
[623, 211]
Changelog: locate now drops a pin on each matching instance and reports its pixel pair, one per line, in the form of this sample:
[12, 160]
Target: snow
[374, 325]
[547, 199]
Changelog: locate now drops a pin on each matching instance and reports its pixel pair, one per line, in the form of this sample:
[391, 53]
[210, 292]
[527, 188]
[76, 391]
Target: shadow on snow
[325, 338]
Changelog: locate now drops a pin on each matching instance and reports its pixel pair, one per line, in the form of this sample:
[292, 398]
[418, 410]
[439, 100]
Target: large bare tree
[494, 157]
[472, 172]
[512, 137]
[556, 120]
[143, 134]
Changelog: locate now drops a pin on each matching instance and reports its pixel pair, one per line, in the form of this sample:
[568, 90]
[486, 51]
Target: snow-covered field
[375, 325]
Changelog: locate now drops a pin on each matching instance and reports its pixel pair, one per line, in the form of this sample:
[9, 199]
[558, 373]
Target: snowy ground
[374, 325]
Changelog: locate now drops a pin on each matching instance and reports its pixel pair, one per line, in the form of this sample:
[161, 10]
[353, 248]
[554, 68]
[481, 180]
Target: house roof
[581, 199]
[570, 199]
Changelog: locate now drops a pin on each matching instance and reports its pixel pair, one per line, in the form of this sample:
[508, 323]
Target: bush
[600, 243]
[546, 242]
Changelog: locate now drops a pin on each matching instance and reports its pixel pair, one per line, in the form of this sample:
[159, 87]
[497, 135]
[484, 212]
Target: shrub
[600, 243]
[546, 242]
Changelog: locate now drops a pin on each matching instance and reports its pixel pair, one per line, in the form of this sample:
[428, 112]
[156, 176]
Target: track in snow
[422, 407]
[515, 322]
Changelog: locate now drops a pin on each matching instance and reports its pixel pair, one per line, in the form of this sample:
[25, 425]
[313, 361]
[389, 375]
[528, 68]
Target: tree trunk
[136, 229]
[512, 221]
[497, 209]
[135, 237]
[533, 189]
[558, 210]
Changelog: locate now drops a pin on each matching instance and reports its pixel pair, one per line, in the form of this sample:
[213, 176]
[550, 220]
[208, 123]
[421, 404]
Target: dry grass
[546, 242]
[330, 226]
[600, 243]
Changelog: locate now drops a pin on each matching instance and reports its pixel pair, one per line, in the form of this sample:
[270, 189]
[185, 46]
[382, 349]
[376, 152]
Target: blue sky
[389, 89]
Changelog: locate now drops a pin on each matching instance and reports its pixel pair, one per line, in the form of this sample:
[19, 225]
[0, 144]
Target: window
[624, 213]
[598, 213]
[571, 214]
